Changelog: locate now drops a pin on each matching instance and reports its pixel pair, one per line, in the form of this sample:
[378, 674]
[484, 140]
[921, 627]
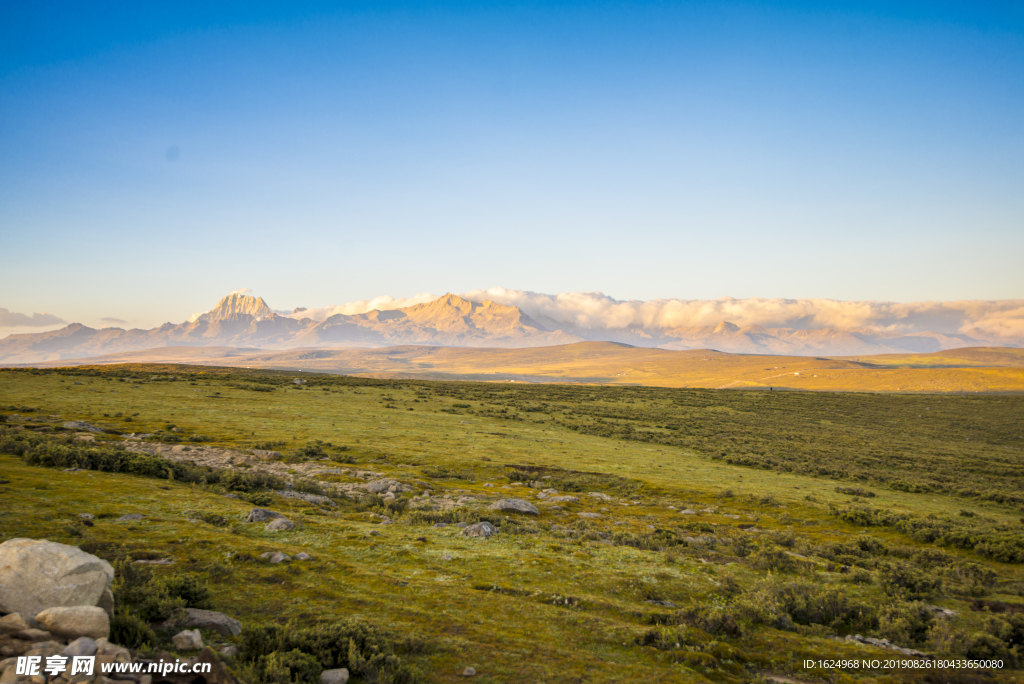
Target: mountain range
[246, 321]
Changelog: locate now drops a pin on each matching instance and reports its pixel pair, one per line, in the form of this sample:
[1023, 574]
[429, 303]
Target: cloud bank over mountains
[592, 312]
[12, 319]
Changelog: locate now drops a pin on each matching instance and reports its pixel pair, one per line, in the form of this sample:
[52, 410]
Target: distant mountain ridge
[245, 321]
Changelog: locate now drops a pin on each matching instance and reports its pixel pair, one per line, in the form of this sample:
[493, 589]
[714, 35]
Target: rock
[379, 486]
[565, 498]
[261, 515]
[589, 515]
[280, 557]
[266, 454]
[187, 640]
[86, 516]
[82, 646]
[106, 602]
[130, 516]
[81, 425]
[72, 622]
[461, 524]
[446, 557]
[469, 672]
[229, 651]
[440, 525]
[214, 621]
[280, 524]
[12, 623]
[688, 511]
[339, 676]
[218, 674]
[480, 529]
[517, 505]
[303, 556]
[599, 495]
[33, 635]
[38, 574]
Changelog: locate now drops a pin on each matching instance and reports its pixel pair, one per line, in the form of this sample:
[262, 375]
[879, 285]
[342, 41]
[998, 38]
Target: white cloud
[12, 319]
[593, 311]
[383, 303]
[241, 291]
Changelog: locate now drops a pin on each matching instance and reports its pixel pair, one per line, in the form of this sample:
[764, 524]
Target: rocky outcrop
[516, 505]
[212, 620]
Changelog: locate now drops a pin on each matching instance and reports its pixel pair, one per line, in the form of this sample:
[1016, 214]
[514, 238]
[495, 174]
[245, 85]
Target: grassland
[972, 370]
[815, 516]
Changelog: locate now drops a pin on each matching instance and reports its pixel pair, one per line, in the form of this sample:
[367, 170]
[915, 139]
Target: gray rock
[517, 505]
[86, 516]
[280, 524]
[280, 557]
[599, 495]
[589, 515]
[39, 574]
[71, 622]
[339, 676]
[214, 621]
[229, 651]
[33, 635]
[82, 646]
[380, 486]
[480, 529]
[187, 640]
[266, 454]
[461, 524]
[469, 672]
[12, 623]
[440, 524]
[565, 498]
[261, 515]
[82, 425]
[303, 556]
[130, 516]
[303, 496]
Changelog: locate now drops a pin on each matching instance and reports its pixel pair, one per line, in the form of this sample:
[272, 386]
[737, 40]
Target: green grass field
[816, 516]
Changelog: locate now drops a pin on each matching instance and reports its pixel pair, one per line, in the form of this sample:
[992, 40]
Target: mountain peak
[726, 326]
[237, 304]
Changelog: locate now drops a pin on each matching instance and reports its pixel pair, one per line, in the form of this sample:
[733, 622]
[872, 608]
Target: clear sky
[154, 156]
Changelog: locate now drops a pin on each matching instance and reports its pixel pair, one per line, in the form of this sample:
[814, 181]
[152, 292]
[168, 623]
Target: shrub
[127, 629]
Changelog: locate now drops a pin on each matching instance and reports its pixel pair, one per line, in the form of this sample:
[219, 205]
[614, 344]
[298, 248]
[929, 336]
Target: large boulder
[212, 620]
[480, 529]
[36, 574]
[71, 622]
[517, 505]
[280, 525]
[262, 515]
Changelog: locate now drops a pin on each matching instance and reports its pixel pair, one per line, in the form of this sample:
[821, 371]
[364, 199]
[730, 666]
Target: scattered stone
[666, 604]
[469, 672]
[461, 524]
[82, 646]
[599, 495]
[885, 643]
[565, 498]
[517, 505]
[446, 557]
[72, 622]
[212, 620]
[187, 640]
[261, 515]
[339, 676]
[39, 574]
[280, 524]
[688, 511]
[303, 556]
[303, 496]
[280, 557]
[480, 529]
[589, 515]
[266, 454]
[81, 425]
[160, 561]
[488, 484]
[440, 525]
[130, 516]
[229, 651]
[86, 516]
[12, 623]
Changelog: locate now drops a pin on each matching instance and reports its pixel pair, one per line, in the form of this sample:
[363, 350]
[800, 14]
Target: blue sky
[154, 156]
